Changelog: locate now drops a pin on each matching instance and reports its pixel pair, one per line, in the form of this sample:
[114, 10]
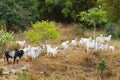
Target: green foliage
[102, 66]
[5, 38]
[1, 71]
[110, 29]
[67, 10]
[22, 75]
[18, 13]
[63, 10]
[43, 30]
[112, 7]
[7, 14]
[94, 15]
[3, 23]
[21, 13]
[117, 32]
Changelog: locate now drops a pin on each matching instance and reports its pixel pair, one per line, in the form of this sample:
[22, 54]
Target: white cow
[74, 43]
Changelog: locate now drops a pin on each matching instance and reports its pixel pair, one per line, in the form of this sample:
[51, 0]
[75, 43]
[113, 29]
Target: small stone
[24, 68]
[13, 71]
[6, 72]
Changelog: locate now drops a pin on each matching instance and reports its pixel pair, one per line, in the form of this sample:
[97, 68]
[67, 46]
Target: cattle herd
[101, 43]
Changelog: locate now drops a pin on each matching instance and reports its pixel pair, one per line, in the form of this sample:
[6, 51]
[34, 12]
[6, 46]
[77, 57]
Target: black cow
[16, 54]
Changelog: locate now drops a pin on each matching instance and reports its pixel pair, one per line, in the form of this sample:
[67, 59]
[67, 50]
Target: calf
[16, 54]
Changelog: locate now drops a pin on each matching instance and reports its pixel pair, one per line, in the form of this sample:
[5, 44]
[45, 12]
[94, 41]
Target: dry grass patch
[77, 64]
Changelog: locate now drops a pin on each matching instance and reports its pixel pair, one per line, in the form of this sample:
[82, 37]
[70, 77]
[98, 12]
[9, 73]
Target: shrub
[22, 75]
[117, 32]
[110, 29]
[1, 71]
[5, 38]
[102, 66]
[43, 30]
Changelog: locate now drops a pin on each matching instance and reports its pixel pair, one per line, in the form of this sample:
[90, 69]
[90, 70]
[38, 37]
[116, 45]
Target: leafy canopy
[18, 13]
[43, 30]
[63, 10]
[93, 15]
[112, 7]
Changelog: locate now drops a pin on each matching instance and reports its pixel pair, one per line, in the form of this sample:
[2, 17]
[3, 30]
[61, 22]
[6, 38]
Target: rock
[4, 68]
[6, 72]
[24, 68]
[1, 60]
[13, 71]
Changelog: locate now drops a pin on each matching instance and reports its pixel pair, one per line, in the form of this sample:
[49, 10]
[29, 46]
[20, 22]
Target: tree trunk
[94, 37]
[3, 49]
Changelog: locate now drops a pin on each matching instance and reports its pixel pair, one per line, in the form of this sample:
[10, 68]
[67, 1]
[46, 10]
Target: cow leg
[17, 59]
[4, 58]
[8, 60]
[14, 60]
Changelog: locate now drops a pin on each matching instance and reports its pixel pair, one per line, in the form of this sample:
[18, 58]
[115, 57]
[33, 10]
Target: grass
[77, 64]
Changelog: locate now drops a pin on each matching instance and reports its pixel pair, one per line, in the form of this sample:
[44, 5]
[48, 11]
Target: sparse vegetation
[5, 39]
[101, 67]
[1, 71]
[22, 75]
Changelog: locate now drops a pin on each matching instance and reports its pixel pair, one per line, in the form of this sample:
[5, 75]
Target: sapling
[101, 67]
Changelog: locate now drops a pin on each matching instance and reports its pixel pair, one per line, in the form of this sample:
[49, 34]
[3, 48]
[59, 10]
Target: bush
[1, 71]
[117, 32]
[22, 75]
[43, 30]
[102, 66]
[110, 29]
[5, 38]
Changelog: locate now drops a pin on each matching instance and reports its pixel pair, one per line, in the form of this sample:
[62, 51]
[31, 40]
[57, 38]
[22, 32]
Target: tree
[43, 30]
[18, 13]
[112, 7]
[93, 16]
[63, 10]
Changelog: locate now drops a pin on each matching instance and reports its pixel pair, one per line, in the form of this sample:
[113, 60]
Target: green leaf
[42, 31]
